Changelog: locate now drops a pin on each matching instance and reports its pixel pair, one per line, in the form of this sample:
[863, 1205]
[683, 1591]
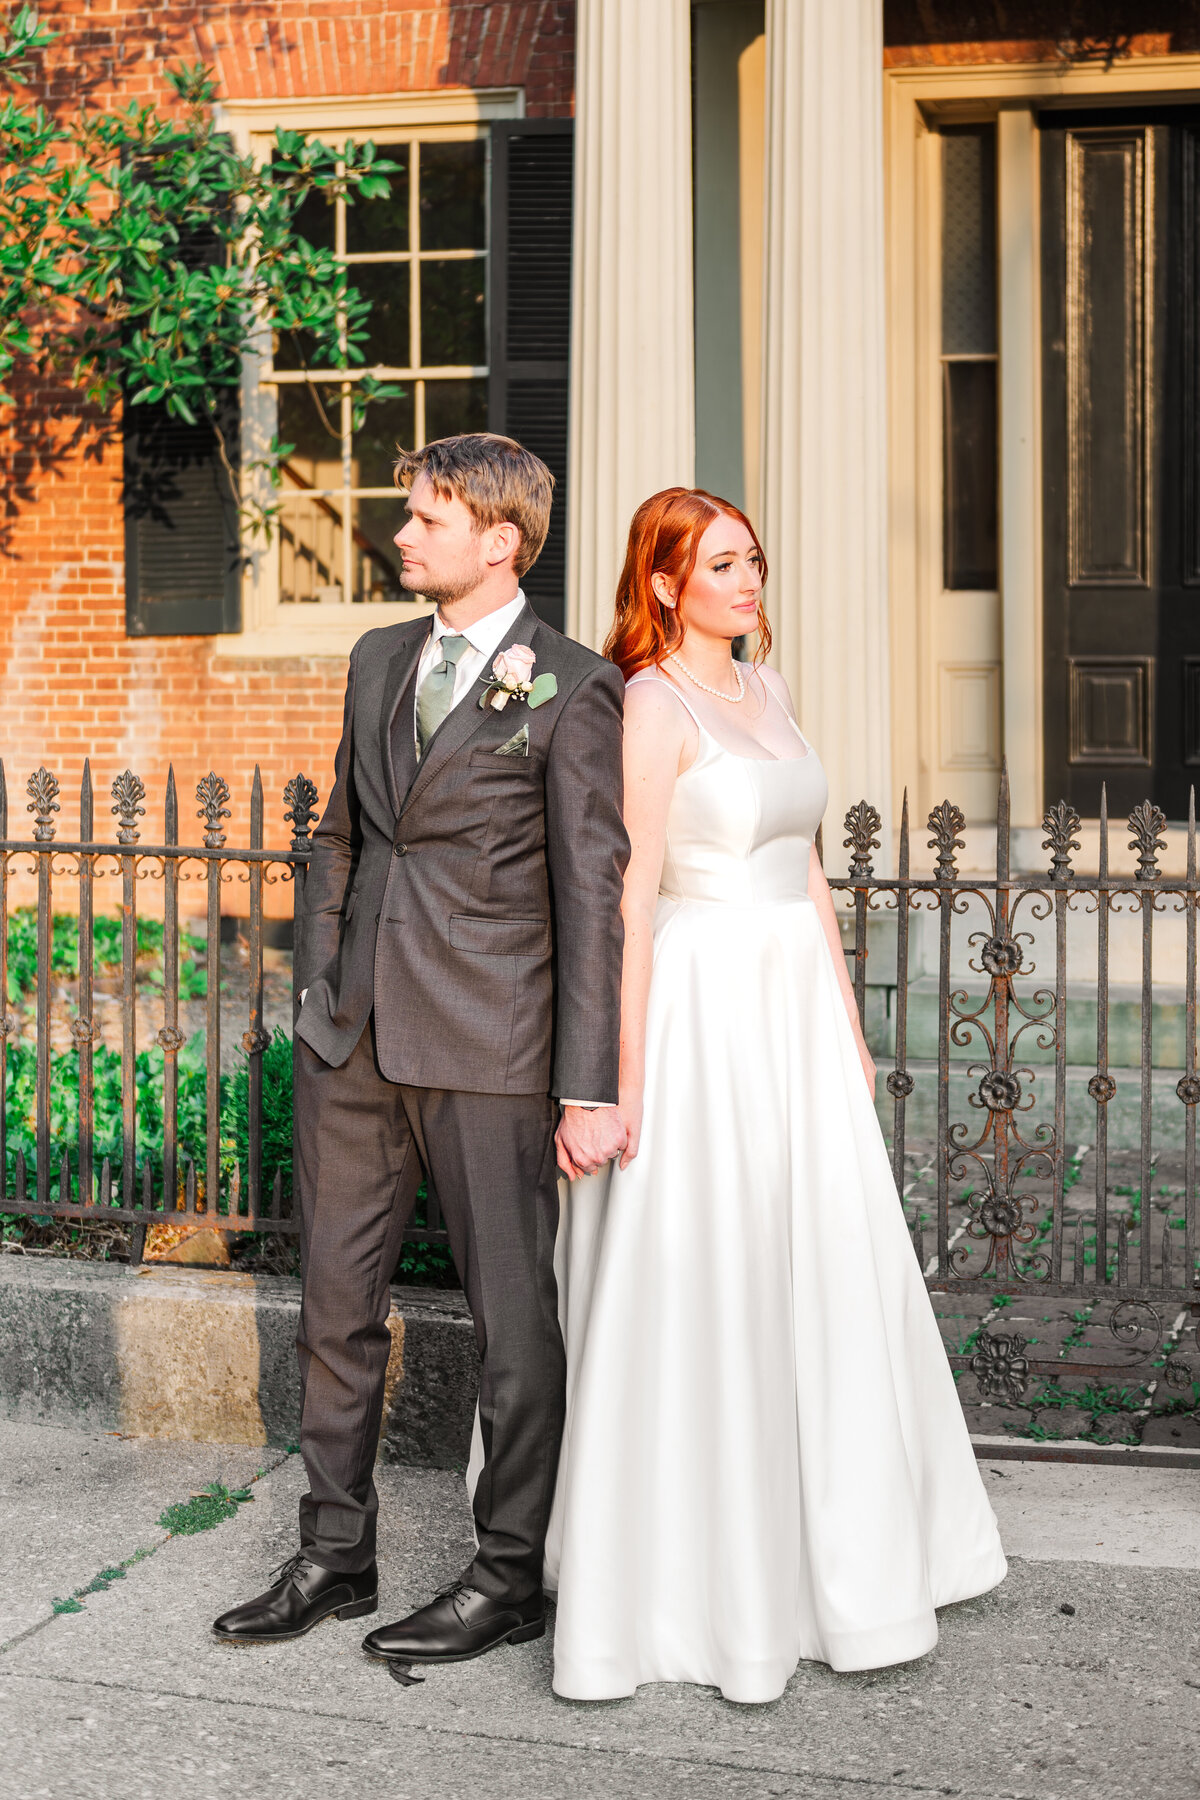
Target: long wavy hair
[664, 538]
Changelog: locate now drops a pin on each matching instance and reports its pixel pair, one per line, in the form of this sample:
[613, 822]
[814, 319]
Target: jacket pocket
[517, 765]
[499, 937]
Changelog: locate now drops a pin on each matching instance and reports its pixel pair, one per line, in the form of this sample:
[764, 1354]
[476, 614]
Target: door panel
[1106, 373]
[1122, 610]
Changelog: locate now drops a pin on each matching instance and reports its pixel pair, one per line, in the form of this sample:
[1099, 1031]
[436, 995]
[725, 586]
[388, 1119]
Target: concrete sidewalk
[129, 1696]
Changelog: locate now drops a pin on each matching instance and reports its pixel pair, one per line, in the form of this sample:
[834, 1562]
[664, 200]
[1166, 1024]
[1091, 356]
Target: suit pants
[363, 1143]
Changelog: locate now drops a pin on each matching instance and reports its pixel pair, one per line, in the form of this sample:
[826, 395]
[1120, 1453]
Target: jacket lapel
[464, 719]
[400, 760]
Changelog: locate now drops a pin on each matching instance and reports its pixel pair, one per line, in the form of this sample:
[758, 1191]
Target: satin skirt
[765, 1458]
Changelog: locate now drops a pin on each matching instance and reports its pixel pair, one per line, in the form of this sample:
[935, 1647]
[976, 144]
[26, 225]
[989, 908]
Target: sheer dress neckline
[702, 728]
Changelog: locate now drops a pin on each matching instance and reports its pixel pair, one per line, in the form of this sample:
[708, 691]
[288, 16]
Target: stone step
[1168, 1025]
[210, 1356]
[1124, 1109]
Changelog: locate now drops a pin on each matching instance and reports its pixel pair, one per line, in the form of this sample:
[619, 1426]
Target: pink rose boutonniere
[511, 680]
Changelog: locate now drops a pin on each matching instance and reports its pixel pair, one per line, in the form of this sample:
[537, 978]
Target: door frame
[916, 101]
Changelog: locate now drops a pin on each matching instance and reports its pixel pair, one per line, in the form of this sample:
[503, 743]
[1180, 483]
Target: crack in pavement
[126, 1565]
[664, 1757]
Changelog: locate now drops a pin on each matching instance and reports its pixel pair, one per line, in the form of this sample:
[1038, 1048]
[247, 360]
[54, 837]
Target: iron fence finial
[1060, 822]
[212, 793]
[1147, 822]
[945, 822]
[300, 800]
[42, 788]
[863, 823]
[128, 791]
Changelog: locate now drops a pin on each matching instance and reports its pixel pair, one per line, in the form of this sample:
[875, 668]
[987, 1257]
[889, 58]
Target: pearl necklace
[732, 699]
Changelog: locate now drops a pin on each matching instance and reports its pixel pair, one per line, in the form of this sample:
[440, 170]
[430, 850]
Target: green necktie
[436, 692]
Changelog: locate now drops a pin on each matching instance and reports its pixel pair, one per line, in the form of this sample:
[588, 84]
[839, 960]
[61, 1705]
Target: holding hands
[589, 1137]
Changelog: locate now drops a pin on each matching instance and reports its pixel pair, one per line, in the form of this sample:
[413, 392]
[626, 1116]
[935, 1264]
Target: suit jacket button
[401, 849]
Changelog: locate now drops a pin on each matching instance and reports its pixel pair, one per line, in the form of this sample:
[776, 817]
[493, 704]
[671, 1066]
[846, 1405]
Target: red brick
[72, 683]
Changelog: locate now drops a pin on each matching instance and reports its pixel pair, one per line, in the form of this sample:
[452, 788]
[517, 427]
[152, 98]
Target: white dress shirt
[484, 638]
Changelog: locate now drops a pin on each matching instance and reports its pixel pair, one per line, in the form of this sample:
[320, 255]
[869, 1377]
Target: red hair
[664, 539]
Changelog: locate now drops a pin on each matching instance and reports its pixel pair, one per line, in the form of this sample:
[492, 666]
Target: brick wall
[71, 683]
[942, 33]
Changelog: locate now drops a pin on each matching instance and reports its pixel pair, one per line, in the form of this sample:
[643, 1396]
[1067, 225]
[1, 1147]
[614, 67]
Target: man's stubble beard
[443, 592]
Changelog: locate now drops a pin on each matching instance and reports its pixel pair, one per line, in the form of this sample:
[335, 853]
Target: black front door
[1121, 519]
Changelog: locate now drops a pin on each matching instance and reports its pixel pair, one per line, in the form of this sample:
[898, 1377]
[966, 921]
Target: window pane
[453, 316]
[387, 428]
[969, 504]
[316, 460]
[310, 550]
[315, 220]
[454, 406]
[453, 216]
[297, 350]
[378, 225]
[969, 240]
[376, 558]
[386, 287]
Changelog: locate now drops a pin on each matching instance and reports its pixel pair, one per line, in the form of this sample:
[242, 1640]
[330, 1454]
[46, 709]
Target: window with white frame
[968, 358]
[420, 257]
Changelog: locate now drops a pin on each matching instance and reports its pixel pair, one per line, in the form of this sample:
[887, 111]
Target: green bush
[191, 1110]
[420, 1264]
[64, 952]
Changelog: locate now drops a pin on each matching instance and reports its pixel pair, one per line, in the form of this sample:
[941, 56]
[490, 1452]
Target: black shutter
[183, 563]
[183, 559]
[531, 320]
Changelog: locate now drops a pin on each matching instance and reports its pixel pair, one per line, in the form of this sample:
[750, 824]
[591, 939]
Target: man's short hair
[497, 480]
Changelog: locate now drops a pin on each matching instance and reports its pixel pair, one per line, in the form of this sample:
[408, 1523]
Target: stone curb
[209, 1356]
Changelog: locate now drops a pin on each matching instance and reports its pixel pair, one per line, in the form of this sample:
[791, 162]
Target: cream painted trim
[271, 629]
[904, 132]
[326, 636]
[989, 90]
[1001, 83]
[1020, 459]
[371, 112]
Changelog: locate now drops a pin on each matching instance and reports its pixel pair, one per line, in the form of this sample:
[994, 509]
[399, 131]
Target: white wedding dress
[764, 1457]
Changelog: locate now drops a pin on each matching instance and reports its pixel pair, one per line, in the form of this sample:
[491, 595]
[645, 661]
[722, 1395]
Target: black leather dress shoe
[459, 1624]
[304, 1593]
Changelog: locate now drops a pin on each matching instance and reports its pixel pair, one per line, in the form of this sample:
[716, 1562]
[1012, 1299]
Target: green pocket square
[516, 745]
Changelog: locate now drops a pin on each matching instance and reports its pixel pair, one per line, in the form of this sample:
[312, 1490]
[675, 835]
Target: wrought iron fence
[217, 1182]
[1002, 1233]
[992, 1071]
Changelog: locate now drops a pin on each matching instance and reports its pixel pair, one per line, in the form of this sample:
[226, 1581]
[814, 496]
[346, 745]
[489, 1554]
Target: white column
[1020, 461]
[824, 472]
[632, 382]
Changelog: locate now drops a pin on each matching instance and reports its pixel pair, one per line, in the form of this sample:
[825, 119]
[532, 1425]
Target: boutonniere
[510, 680]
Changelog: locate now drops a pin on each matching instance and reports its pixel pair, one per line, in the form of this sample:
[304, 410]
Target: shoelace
[286, 1570]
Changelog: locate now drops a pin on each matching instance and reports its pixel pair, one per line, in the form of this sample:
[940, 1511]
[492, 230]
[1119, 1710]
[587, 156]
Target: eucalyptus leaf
[544, 688]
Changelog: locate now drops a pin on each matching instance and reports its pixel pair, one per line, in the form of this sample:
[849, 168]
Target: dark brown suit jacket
[472, 901]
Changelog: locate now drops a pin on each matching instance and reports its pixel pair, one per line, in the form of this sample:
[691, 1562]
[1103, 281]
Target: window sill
[318, 631]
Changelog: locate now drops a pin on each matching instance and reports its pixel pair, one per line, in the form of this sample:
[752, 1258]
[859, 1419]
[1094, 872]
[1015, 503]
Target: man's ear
[503, 541]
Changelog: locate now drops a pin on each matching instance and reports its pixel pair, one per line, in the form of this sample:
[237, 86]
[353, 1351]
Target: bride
[764, 1458]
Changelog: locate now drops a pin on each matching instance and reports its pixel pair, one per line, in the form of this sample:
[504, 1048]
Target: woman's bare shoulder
[652, 702]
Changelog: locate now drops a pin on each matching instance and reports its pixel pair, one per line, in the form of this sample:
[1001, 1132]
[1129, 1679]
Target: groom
[462, 950]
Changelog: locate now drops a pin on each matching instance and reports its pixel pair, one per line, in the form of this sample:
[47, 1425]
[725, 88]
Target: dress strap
[768, 689]
[664, 681]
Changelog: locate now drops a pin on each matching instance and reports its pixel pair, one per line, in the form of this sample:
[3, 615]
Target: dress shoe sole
[353, 1609]
[522, 1634]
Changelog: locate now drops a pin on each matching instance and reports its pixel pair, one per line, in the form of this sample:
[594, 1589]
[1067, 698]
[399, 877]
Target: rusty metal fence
[1028, 1214]
[179, 1184]
[1001, 1082]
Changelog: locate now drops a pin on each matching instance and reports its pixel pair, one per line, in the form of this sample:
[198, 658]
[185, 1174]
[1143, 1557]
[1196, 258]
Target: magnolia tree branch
[141, 254]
